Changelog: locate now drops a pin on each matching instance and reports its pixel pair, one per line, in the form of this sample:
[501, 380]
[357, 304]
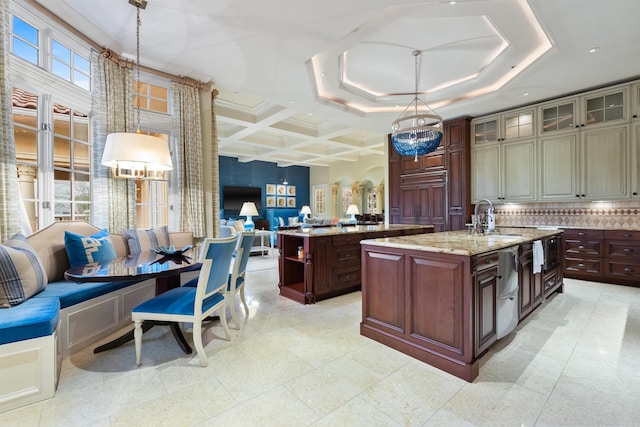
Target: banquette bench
[65, 317]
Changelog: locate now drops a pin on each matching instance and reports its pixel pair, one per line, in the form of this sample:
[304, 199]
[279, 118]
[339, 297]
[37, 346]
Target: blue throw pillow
[21, 272]
[82, 250]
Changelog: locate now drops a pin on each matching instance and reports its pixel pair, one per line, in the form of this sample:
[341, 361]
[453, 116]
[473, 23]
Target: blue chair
[193, 304]
[237, 275]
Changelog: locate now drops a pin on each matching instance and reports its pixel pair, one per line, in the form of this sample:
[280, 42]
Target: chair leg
[244, 301]
[232, 300]
[197, 341]
[223, 321]
[137, 334]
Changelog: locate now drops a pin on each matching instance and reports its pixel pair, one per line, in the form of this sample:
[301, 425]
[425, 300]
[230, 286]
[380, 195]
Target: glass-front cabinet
[603, 107]
[510, 126]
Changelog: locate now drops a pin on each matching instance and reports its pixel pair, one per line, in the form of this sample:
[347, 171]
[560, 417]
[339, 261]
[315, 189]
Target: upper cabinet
[597, 108]
[583, 147]
[509, 126]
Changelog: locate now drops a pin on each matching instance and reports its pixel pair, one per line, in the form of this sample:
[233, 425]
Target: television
[234, 197]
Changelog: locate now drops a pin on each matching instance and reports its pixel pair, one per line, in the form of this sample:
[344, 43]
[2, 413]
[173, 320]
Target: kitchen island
[434, 296]
[324, 262]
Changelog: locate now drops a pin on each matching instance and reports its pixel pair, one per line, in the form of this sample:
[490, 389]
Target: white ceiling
[312, 82]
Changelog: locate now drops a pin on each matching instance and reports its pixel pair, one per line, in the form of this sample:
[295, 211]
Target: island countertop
[351, 229]
[462, 243]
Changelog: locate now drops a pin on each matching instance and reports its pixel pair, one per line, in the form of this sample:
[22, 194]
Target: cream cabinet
[509, 126]
[635, 158]
[595, 109]
[590, 164]
[504, 172]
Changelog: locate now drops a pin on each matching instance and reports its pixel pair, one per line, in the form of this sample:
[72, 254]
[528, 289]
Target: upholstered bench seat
[71, 293]
[34, 318]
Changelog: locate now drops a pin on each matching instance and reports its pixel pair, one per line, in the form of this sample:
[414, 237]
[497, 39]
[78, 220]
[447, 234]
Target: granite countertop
[462, 243]
[334, 231]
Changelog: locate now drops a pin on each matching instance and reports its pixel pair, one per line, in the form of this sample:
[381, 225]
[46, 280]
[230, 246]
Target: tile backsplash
[604, 215]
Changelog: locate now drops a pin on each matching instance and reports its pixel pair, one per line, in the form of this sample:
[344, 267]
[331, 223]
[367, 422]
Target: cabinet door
[485, 173]
[604, 163]
[394, 185]
[433, 206]
[525, 281]
[458, 183]
[486, 296]
[519, 171]
[559, 167]
[518, 124]
[604, 107]
[635, 158]
[558, 116]
[485, 130]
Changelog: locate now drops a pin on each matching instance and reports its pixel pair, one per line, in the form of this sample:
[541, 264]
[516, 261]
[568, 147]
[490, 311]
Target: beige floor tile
[357, 413]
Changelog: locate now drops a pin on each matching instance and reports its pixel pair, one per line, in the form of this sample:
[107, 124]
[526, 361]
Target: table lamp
[306, 210]
[249, 210]
[353, 211]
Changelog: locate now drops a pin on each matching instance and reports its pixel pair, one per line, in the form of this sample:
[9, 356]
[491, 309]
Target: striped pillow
[143, 240]
[21, 272]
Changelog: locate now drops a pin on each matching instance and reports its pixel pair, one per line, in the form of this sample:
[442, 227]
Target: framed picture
[271, 191]
[281, 190]
[282, 202]
[271, 201]
[291, 202]
[291, 190]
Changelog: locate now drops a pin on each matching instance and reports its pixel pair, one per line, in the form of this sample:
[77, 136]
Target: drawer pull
[580, 265]
[628, 270]
[581, 247]
[582, 234]
[626, 235]
[489, 261]
[347, 277]
[627, 250]
[347, 256]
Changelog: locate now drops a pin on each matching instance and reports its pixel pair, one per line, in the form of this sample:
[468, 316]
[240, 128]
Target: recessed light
[291, 101]
[525, 94]
[323, 74]
[309, 114]
[594, 49]
[453, 2]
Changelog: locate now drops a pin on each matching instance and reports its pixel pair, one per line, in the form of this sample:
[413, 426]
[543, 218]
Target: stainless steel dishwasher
[507, 295]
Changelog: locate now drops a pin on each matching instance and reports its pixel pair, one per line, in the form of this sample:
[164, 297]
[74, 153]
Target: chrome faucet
[478, 227]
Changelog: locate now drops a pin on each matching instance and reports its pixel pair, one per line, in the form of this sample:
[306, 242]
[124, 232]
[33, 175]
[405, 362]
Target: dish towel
[538, 256]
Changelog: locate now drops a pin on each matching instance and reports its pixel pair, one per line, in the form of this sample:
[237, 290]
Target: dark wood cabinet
[583, 254]
[622, 257]
[530, 293]
[330, 265]
[435, 188]
[486, 289]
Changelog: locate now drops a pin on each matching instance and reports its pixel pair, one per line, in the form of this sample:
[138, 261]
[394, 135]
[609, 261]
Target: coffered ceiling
[313, 82]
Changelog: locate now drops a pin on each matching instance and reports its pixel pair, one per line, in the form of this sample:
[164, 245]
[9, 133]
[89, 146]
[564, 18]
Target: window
[152, 198]
[347, 197]
[71, 164]
[151, 97]
[25, 40]
[320, 200]
[25, 132]
[70, 65]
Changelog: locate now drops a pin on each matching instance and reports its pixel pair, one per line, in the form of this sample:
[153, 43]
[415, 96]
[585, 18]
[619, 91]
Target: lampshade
[248, 209]
[306, 210]
[353, 210]
[418, 129]
[142, 155]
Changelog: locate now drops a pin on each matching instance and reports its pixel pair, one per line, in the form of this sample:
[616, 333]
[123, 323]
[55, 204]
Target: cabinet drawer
[618, 269]
[485, 261]
[583, 247]
[623, 249]
[347, 255]
[347, 239]
[583, 266]
[346, 277]
[622, 235]
[579, 234]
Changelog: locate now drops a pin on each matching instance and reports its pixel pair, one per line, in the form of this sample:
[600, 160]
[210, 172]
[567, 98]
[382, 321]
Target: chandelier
[416, 132]
[136, 155]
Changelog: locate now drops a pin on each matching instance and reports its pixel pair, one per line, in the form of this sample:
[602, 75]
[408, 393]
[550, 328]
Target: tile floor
[576, 361]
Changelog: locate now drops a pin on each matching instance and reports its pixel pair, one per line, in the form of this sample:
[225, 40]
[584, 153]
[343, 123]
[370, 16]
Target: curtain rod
[107, 53]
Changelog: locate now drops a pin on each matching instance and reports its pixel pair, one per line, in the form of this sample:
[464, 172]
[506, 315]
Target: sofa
[65, 317]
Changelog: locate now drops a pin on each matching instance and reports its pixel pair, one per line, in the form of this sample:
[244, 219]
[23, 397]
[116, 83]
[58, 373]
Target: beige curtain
[9, 213]
[188, 155]
[113, 109]
[215, 167]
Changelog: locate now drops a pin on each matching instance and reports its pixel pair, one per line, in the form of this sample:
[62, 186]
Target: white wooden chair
[193, 304]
